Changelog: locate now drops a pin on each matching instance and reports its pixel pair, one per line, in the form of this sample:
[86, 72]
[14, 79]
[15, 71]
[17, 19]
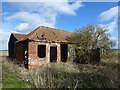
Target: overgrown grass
[10, 75]
[69, 75]
[3, 52]
[64, 75]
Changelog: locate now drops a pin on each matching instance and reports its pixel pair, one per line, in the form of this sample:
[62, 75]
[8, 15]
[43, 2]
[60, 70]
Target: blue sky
[88, 14]
[25, 17]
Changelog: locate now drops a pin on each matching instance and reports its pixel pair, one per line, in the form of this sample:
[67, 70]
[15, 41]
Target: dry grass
[68, 75]
[51, 76]
[3, 53]
[11, 75]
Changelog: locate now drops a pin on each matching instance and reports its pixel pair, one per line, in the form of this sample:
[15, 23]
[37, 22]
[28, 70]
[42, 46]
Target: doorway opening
[64, 52]
[53, 54]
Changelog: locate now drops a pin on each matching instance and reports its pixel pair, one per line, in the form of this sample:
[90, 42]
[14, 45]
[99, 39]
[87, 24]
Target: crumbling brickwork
[33, 58]
[41, 46]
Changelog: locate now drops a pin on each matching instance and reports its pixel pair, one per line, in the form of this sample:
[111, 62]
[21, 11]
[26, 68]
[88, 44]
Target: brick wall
[34, 60]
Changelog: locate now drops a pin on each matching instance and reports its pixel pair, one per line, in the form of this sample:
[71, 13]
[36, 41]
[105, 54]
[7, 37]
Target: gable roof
[51, 34]
[18, 36]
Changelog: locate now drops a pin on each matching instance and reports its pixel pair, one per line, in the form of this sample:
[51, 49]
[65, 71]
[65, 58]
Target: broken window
[41, 51]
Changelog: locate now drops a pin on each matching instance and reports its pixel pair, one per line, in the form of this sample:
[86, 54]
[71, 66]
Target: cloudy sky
[23, 17]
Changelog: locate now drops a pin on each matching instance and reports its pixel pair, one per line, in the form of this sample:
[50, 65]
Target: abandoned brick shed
[12, 43]
[41, 46]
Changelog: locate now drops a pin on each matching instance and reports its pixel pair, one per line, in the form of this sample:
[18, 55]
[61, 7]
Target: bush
[68, 75]
[65, 75]
[90, 39]
[52, 76]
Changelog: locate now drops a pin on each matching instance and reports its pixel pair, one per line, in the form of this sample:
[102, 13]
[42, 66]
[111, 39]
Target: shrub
[68, 75]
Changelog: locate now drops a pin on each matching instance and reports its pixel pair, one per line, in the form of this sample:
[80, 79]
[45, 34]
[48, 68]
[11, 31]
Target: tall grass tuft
[52, 76]
[68, 75]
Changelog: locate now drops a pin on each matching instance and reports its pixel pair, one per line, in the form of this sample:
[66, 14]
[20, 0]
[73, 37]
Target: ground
[65, 75]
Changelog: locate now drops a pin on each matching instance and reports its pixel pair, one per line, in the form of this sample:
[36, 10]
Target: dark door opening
[64, 52]
[53, 54]
[41, 51]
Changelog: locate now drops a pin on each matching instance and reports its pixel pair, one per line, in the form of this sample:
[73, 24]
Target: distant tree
[89, 38]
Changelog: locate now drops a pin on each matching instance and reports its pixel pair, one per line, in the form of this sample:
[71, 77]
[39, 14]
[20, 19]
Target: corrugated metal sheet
[18, 36]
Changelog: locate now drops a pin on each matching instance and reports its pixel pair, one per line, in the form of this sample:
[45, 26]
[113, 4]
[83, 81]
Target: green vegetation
[3, 53]
[68, 75]
[10, 75]
[88, 39]
[64, 75]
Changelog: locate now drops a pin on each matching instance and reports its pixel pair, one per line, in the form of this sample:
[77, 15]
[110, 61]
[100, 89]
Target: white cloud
[41, 14]
[115, 39]
[56, 7]
[3, 39]
[32, 20]
[30, 15]
[109, 14]
[110, 26]
[22, 27]
[112, 13]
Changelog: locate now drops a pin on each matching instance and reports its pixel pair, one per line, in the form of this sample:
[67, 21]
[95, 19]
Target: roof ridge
[18, 33]
[55, 28]
[31, 34]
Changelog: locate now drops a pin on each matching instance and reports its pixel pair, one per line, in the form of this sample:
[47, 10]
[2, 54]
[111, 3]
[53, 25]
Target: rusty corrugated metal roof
[51, 34]
[19, 36]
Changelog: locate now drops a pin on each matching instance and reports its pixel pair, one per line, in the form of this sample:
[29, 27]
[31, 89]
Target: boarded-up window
[41, 51]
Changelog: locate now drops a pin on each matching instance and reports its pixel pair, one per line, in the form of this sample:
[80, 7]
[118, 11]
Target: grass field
[64, 75]
[3, 53]
[10, 76]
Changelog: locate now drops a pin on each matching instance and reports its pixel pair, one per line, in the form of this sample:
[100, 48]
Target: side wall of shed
[20, 52]
[12, 47]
